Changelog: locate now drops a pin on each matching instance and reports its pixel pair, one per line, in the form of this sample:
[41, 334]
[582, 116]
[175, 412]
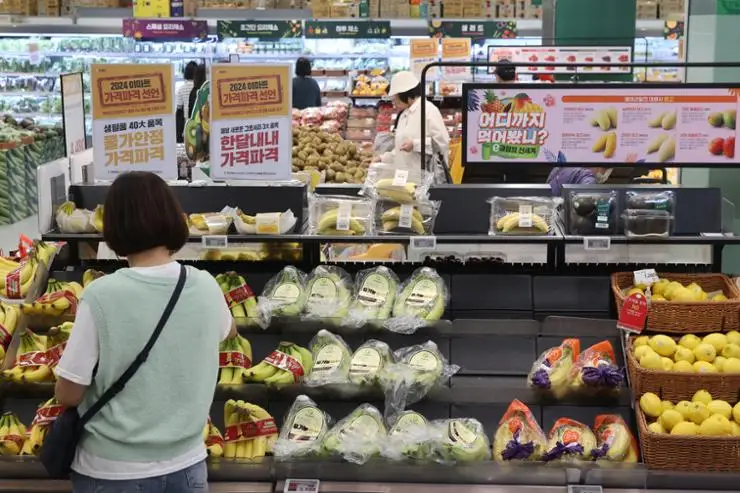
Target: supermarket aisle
[9, 234]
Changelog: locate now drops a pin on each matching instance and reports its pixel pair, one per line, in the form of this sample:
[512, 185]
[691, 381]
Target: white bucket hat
[402, 82]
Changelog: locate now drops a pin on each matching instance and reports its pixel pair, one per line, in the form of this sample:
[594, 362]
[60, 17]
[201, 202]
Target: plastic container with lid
[647, 223]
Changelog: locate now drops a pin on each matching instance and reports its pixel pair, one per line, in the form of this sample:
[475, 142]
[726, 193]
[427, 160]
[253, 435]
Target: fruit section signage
[423, 52]
[455, 50]
[73, 113]
[165, 30]
[251, 125]
[151, 8]
[609, 56]
[594, 124]
[133, 119]
[259, 29]
[728, 7]
[473, 29]
[344, 29]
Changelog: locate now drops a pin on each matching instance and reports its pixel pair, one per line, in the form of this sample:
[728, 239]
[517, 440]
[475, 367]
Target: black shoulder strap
[119, 384]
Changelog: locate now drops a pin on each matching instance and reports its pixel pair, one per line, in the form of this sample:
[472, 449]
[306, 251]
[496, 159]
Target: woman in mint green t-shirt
[148, 438]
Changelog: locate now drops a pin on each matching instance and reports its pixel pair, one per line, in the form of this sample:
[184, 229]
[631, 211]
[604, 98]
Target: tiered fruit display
[340, 161]
[12, 434]
[16, 277]
[703, 415]
[250, 432]
[667, 290]
[32, 363]
[59, 298]
[9, 316]
[374, 84]
[287, 365]
[713, 353]
[235, 358]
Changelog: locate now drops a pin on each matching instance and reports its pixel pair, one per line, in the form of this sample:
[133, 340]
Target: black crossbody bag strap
[120, 384]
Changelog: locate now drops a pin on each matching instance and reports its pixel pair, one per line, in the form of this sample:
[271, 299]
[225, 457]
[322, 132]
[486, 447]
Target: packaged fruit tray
[696, 453]
[683, 317]
[675, 385]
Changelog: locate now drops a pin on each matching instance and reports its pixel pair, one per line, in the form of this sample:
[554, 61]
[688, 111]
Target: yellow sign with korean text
[455, 48]
[148, 9]
[250, 91]
[424, 48]
[133, 120]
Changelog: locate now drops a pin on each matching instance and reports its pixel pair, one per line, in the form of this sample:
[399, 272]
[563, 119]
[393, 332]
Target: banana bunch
[209, 223]
[328, 225]
[56, 341]
[9, 315]
[90, 275]
[12, 434]
[401, 194]
[97, 218]
[16, 277]
[510, 224]
[44, 251]
[213, 440]
[392, 217]
[240, 298]
[284, 366]
[250, 431]
[36, 434]
[235, 357]
[59, 298]
[70, 219]
[32, 362]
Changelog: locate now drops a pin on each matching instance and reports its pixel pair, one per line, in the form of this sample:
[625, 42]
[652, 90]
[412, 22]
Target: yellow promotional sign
[424, 48]
[455, 48]
[146, 9]
[250, 91]
[125, 90]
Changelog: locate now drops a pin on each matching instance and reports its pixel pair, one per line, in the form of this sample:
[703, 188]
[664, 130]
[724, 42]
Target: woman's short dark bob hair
[189, 71]
[141, 213]
[303, 67]
[410, 95]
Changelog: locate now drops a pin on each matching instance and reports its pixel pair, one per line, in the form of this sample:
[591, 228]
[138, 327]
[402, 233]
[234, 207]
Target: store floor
[9, 234]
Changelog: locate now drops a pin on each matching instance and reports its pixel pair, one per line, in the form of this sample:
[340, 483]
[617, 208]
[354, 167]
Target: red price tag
[279, 359]
[54, 354]
[232, 433]
[237, 295]
[264, 427]
[232, 359]
[13, 283]
[633, 315]
[47, 415]
[33, 358]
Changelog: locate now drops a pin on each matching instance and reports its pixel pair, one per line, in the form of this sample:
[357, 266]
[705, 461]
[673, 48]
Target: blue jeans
[193, 479]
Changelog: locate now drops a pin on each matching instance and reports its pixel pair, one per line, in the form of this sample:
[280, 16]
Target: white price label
[525, 215]
[423, 243]
[404, 217]
[214, 241]
[712, 235]
[400, 178]
[344, 216]
[584, 489]
[599, 243]
[268, 224]
[647, 277]
[301, 486]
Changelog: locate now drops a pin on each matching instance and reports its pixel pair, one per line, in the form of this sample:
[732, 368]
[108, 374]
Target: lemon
[685, 428]
[689, 341]
[657, 297]
[736, 413]
[659, 287]
[735, 429]
[683, 367]
[719, 341]
[670, 288]
[640, 341]
[716, 425]
[704, 367]
[651, 361]
[651, 405]
[719, 297]
[670, 418]
[698, 413]
[667, 405]
[642, 351]
[719, 362]
[656, 427]
[731, 365]
[683, 294]
[723, 408]
[667, 364]
[663, 345]
[684, 407]
[632, 291]
[731, 351]
[705, 352]
[733, 337]
[684, 354]
[702, 396]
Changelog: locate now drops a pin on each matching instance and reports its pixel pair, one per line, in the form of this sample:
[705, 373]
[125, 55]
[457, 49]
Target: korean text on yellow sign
[250, 91]
[121, 91]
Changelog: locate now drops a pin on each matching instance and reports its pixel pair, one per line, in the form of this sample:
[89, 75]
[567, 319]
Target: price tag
[268, 224]
[400, 178]
[647, 277]
[404, 217]
[584, 489]
[525, 215]
[214, 241]
[712, 235]
[301, 486]
[344, 215]
[598, 243]
[633, 315]
[423, 243]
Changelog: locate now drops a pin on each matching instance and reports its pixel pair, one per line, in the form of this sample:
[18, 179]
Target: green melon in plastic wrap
[198, 126]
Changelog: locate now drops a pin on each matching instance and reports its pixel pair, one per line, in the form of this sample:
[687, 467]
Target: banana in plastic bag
[552, 369]
[518, 436]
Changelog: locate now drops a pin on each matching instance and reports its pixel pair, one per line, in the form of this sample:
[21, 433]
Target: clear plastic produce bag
[72, 220]
[283, 296]
[357, 437]
[596, 368]
[368, 362]
[396, 183]
[570, 440]
[328, 294]
[460, 440]
[408, 438]
[518, 436]
[373, 297]
[331, 360]
[340, 216]
[551, 371]
[303, 430]
[420, 302]
[414, 218]
[521, 215]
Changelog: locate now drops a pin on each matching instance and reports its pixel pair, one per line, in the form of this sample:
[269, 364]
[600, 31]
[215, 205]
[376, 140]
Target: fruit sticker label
[47, 414]
[407, 421]
[592, 124]
[233, 359]
[33, 358]
[322, 290]
[238, 295]
[253, 429]
[286, 294]
[279, 359]
[460, 434]
[424, 360]
[308, 424]
[13, 283]
[328, 358]
[366, 361]
[54, 354]
[374, 290]
[424, 293]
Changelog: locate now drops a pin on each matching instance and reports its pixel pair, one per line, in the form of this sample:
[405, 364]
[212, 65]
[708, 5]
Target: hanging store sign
[165, 30]
[133, 119]
[473, 29]
[610, 57]
[424, 51]
[251, 123]
[73, 112]
[728, 7]
[598, 125]
[456, 50]
[347, 29]
[152, 8]
[261, 29]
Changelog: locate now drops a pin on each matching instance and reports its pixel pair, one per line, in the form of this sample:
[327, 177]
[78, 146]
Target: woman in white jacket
[407, 92]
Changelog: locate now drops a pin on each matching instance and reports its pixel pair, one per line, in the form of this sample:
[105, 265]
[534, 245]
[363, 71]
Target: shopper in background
[148, 438]
[505, 71]
[199, 78]
[407, 95]
[182, 98]
[306, 91]
[576, 176]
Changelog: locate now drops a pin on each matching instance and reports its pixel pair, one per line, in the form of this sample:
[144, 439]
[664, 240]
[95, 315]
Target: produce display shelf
[719, 239]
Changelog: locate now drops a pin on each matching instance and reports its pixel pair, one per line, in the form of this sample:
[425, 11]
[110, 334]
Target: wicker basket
[687, 453]
[685, 317]
[676, 386]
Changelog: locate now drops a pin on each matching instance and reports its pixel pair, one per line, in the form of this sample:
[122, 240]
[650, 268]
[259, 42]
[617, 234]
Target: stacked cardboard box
[525, 10]
[505, 9]
[18, 7]
[671, 9]
[647, 9]
[111, 4]
[49, 8]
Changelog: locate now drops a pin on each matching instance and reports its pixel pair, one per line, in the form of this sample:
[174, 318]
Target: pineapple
[492, 104]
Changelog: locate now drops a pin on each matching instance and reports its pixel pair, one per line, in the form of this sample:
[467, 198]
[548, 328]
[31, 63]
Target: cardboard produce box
[647, 9]
[525, 10]
[49, 8]
[505, 9]
[474, 9]
[453, 9]
[671, 9]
